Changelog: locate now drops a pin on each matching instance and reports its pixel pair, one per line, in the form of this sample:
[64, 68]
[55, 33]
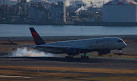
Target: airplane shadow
[61, 59]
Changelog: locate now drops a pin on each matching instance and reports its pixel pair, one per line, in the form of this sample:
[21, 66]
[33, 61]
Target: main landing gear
[119, 52]
[84, 56]
[69, 57]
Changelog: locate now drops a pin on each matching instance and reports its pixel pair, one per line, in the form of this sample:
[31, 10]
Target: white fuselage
[94, 44]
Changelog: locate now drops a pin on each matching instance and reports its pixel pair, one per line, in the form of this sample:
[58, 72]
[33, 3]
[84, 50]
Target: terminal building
[1, 2]
[120, 11]
[8, 2]
[4, 2]
[21, 1]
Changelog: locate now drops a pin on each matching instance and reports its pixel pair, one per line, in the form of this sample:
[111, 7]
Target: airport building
[38, 13]
[8, 2]
[4, 2]
[58, 13]
[22, 1]
[1, 2]
[120, 11]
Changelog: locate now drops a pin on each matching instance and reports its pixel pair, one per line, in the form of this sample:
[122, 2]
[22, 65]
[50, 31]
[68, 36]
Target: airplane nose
[125, 45]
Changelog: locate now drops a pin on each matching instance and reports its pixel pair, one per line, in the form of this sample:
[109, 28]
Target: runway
[93, 62]
[97, 68]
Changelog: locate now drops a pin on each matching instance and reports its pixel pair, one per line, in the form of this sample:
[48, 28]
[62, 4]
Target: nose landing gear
[119, 52]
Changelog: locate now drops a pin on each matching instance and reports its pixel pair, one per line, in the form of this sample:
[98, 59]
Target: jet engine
[101, 52]
[72, 51]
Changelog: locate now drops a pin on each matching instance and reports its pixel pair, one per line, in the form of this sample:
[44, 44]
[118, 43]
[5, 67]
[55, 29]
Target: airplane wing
[45, 46]
[62, 47]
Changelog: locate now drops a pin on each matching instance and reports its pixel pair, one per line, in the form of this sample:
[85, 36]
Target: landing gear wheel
[87, 57]
[84, 57]
[100, 54]
[69, 57]
[120, 52]
[66, 57]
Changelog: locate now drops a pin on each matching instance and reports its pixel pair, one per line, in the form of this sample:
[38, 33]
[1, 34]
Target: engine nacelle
[101, 52]
[72, 51]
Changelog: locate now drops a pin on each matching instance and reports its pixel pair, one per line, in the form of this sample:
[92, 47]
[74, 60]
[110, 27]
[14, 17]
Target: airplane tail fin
[37, 39]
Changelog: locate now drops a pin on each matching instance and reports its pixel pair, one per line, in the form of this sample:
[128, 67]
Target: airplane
[75, 47]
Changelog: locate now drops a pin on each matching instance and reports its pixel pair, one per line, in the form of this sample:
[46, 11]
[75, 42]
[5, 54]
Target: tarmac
[96, 68]
[93, 62]
[101, 62]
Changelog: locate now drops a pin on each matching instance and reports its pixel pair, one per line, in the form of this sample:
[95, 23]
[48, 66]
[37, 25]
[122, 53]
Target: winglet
[37, 39]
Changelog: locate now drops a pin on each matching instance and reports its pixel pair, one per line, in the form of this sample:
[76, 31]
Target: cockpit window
[120, 41]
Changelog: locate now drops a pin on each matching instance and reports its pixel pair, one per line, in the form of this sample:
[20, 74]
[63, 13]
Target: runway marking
[113, 57]
[11, 76]
[73, 69]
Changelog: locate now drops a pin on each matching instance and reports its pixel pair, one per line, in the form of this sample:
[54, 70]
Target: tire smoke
[24, 52]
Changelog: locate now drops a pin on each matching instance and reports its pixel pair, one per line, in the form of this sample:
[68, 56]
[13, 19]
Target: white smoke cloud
[24, 52]
[81, 8]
